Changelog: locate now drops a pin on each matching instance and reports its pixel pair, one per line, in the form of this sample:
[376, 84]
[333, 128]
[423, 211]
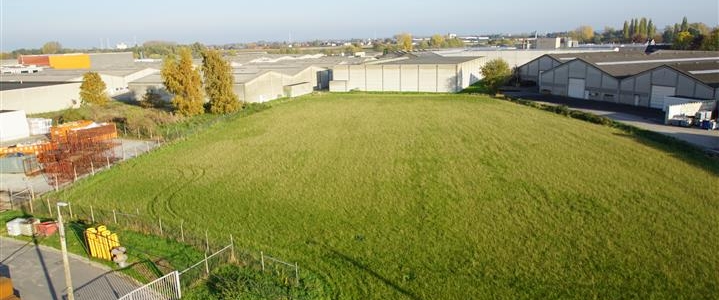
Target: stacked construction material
[101, 242]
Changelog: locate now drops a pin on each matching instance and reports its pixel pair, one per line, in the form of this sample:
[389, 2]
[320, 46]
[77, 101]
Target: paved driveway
[641, 117]
[37, 273]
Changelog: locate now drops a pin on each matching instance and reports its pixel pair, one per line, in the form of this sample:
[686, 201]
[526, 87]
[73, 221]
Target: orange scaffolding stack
[81, 148]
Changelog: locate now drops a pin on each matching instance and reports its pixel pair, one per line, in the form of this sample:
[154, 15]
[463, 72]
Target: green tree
[183, 81]
[633, 28]
[51, 47]
[711, 42]
[651, 29]
[152, 99]
[404, 41]
[683, 40]
[496, 73]
[685, 25]
[423, 44]
[437, 41]
[93, 90]
[625, 32]
[642, 27]
[218, 83]
[454, 43]
[584, 33]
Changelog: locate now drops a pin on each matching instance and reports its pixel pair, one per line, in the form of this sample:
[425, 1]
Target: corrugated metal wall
[404, 77]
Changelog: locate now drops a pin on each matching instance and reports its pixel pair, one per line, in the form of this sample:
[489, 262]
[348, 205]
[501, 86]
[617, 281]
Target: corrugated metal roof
[428, 59]
[630, 63]
[6, 86]
[711, 77]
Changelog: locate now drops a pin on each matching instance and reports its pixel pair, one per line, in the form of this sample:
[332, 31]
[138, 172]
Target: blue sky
[83, 23]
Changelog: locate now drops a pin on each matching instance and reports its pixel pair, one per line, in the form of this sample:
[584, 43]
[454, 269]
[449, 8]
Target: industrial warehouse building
[264, 77]
[518, 57]
[52, 90]
[632, 78]
[410, 73]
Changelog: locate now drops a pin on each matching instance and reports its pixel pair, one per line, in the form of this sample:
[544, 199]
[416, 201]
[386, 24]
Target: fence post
[114, 216]
[69, 207]
[232, 249]
[57, 188]
[32, 199]
[207, 266]
[74, 170]
[92, 168]
[49, 208]
[160, 219]
[297, 274]
[182, 231]
[262, 260]
[147, 146]
[92, 214]
[107, 160]
[177, 284]
[207, 242]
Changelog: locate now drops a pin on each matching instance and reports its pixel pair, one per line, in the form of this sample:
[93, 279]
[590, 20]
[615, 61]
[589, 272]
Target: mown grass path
[439, 197]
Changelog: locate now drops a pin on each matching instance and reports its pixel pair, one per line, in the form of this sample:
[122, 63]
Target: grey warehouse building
[263, 77]
[632, 78]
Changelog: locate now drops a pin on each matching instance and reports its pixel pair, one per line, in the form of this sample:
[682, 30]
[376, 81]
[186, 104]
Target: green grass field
[403, 196]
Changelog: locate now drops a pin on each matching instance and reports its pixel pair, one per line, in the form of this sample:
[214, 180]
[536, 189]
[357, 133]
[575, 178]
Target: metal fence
[170, 286]
[279, 267]
[164, 288]
[203, 268]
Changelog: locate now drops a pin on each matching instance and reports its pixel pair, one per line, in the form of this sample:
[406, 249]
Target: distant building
[73, 61]
[121, 46]
[548, 43]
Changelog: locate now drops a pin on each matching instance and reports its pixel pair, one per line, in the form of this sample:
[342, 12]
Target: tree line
[682, 36]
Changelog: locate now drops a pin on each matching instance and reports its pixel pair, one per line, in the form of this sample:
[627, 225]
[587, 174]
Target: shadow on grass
[677, 148]
[364, 268]
[476, 88]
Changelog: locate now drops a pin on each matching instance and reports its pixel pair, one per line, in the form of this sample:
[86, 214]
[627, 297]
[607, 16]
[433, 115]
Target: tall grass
[438, 197]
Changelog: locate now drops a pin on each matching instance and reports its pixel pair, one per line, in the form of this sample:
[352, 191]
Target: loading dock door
[576, 88]
[658, 93]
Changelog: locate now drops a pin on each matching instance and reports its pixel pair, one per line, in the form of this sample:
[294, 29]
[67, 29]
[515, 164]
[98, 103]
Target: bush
[152, 99]
[592, 118]
[235, 282]
[496, 73]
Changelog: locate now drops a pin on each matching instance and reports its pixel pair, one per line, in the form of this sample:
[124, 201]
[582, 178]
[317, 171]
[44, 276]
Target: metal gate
[164, 288]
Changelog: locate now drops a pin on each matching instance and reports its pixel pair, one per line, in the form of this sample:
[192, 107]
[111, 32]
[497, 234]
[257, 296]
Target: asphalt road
[37, 274]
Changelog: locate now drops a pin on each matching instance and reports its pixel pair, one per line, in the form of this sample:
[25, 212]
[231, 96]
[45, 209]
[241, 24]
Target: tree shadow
[336, 253]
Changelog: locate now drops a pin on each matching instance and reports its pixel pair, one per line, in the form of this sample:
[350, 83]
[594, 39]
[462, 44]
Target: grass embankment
[439, 197]
[149, 256]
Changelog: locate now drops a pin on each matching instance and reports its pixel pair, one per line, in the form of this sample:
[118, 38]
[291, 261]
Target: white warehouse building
[409, 73]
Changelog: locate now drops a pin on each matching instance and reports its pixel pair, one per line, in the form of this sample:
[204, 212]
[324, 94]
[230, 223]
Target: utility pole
[65, 260]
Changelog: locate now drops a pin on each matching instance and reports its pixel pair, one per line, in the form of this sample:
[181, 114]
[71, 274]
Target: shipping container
[70, 61]
[38, 60]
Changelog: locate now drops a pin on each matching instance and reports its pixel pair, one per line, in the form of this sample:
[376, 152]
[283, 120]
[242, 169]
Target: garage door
[576, 88]
[658, 94]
